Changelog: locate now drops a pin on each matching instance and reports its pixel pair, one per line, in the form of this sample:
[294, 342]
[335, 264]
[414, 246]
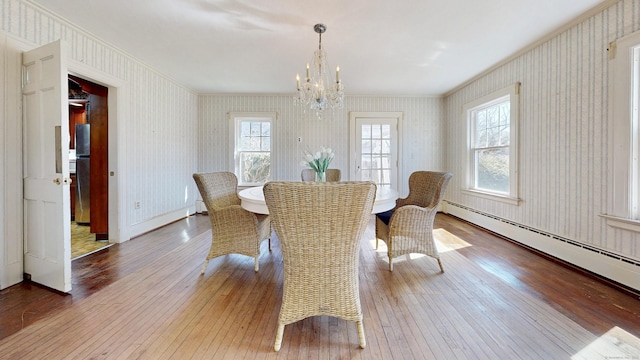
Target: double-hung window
[252, 141]
[492, 150]
[623, 207]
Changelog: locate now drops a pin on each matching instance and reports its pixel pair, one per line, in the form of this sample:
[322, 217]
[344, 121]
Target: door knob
[57, 181]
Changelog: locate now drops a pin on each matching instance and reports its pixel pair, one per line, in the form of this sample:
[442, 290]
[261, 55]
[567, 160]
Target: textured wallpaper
[563, 132]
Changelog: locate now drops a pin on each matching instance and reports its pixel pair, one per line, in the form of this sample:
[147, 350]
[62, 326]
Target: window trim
[512, 92]
[623, 203]
[234, 120]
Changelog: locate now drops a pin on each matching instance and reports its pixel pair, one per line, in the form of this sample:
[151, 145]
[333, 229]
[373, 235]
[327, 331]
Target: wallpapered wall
[158, 151]
[163, 118]
[563, 132]
[421, 138]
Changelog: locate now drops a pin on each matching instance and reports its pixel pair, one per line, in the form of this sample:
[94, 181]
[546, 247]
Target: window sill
[622, 223]
[501, 198]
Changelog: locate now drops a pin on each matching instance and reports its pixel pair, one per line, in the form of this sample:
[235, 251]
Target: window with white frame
[252, 139]
[624, 163]
[492, 151]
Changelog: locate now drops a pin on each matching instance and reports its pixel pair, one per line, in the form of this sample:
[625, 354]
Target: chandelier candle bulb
[308, 77]
[338, 74]
[298, 81]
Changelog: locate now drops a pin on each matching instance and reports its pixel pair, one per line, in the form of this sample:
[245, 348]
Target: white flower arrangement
[320, 161]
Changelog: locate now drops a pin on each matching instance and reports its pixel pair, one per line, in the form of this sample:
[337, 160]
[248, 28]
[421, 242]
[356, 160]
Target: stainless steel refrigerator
[83, 190]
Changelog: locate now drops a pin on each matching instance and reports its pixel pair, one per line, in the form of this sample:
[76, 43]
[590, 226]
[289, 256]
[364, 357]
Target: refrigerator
[83, 190]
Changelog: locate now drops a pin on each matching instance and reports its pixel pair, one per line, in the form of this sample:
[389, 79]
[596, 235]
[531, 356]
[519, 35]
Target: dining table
[252, 199]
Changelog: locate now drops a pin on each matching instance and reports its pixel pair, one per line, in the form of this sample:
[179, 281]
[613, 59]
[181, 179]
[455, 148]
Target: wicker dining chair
[234, 229]
[320, 226]
[308, 175]
[408, 227]
[330, 175]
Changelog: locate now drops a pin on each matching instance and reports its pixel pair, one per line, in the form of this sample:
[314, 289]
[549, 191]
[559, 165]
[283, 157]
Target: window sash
[489, 171]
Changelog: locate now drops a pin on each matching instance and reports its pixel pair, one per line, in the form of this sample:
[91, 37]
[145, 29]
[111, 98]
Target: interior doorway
[88, 156]
[46, 238]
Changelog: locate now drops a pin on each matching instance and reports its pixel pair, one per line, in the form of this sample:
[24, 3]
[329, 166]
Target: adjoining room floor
[83, 242]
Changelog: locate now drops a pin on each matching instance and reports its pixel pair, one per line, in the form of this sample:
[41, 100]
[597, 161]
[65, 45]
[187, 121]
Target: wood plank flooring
[145, 299]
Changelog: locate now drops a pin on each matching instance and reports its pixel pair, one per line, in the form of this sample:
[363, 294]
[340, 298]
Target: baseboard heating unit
[619, 269]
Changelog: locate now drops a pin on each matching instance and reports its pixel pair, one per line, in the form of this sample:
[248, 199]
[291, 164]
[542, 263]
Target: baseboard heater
[619, 269]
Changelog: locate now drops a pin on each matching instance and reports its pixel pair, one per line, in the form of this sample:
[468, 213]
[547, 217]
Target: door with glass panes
[374, 145]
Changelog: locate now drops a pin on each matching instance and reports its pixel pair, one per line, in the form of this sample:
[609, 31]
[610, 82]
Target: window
[252, 147]
[492, 145]
[624, 162]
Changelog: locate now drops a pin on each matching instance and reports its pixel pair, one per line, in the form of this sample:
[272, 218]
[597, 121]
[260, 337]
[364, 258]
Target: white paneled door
[374, 147]
[47, 218]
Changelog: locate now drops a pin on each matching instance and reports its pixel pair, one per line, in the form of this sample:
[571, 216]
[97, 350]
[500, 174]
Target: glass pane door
[375, 150]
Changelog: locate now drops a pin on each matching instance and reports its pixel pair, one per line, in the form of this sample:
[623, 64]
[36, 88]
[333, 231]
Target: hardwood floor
[145, 299]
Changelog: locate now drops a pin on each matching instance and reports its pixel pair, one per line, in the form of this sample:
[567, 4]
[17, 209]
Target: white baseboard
[12, 275]
[159, 221]
[625, 271]
[200, 208]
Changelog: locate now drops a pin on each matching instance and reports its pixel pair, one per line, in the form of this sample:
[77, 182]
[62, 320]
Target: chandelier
[319, 92]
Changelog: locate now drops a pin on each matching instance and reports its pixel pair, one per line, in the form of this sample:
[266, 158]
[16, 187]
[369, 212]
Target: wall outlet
[299, 139]
[136, 205]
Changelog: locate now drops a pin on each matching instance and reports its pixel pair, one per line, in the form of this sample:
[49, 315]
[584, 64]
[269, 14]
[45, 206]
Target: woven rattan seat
[410, 226]
[234, 229]
[320, 226]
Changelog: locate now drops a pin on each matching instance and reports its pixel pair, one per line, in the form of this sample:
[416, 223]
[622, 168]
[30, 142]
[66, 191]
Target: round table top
[252, 199]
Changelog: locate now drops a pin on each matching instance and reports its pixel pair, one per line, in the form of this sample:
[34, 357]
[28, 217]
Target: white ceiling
[383, 47]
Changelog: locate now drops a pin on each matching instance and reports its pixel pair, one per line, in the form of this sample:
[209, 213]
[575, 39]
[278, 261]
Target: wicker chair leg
[377, 243]
[256, 263]
[440, 263]
[204, 266]
[390, 263]
[363, 342]
[279, 334]
[269, 244]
